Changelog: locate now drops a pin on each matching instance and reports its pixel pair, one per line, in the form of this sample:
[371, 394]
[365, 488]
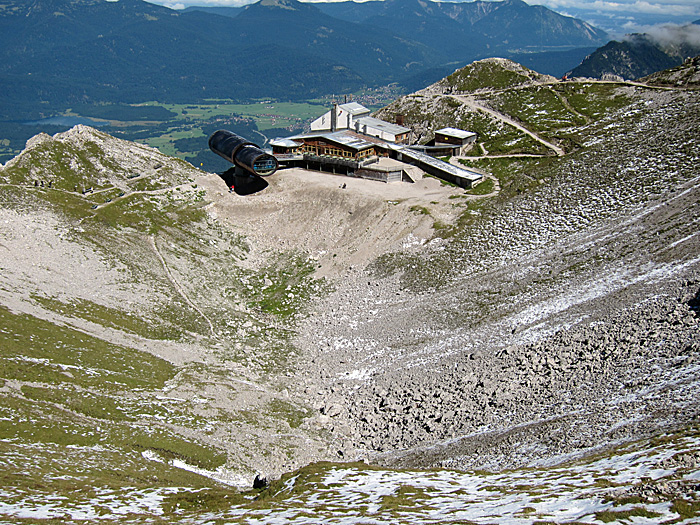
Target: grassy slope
[564, 113]
[611, 487]
[81, 401]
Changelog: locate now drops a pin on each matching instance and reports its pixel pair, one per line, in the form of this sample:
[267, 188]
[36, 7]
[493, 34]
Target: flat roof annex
[454, 132]
[446, 167]
[285, 143]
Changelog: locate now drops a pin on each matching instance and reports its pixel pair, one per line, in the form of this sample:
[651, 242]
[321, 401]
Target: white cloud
[669, 7]
[669, 34]
[202, 3]
[659, 7]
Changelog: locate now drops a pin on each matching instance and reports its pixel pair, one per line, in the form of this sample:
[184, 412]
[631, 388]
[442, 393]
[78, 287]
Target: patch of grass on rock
[609, 516]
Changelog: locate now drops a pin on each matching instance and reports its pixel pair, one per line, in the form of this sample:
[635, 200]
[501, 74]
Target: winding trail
[469, 101]
[152, 240]
[159, 191]
[265, 139]
[568, 105]
[177, 286]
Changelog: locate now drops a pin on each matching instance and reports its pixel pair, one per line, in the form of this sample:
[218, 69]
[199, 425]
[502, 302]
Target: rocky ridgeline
[686, 75]
[432, 107]
[484, 75]
[84, 157]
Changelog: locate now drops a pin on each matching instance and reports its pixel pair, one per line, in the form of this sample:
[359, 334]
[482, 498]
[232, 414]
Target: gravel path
[177, 286]
[470, 102]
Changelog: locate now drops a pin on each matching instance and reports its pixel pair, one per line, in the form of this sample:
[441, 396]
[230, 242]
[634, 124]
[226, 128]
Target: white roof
[339, 137]
[441, 165]
[284, 142]
[454, 132]
[382, 125]
[354, 108]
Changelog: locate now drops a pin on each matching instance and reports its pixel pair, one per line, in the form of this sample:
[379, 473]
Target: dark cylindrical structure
[242, 153]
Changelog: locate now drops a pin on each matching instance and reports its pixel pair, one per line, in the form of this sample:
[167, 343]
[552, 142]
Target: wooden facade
[447, 139]
[356, 155]
[326, 148]
[323, 146]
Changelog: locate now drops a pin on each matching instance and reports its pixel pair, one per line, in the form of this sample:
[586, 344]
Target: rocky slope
[569, 314]
[685, 75]
[117, 247]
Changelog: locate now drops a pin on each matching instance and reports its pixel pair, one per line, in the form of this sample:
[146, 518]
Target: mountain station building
[356, 117]
[346, 140]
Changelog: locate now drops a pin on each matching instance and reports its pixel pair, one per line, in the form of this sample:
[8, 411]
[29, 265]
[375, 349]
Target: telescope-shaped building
[242, 154]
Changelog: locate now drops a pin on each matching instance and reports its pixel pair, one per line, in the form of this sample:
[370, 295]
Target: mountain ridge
[685, 75]
[640, 54]
[491, 21]
[60, 53]
[145, 56]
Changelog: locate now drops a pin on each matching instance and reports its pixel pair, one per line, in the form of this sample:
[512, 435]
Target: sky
[617, 17]
[652, 7]
[627, 16]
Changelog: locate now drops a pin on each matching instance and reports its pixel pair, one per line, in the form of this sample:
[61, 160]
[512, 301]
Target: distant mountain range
[60, 52]
[534, 36]
[639, 55]
[461, 29]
